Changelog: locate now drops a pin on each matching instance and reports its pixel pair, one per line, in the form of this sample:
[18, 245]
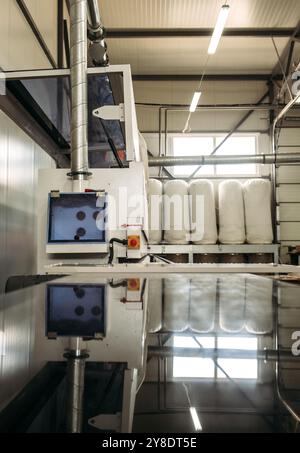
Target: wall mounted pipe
[292, 158]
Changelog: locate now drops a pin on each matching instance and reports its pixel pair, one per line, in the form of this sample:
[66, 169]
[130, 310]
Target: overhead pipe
[171, 161]
[96, 34]
[78, 53]
[94, 15]
[211, 353]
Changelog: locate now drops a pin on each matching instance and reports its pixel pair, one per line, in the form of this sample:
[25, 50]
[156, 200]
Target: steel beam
[118, 33]
[60, 34]
[20, 116]
[208, 77]
[26, 13]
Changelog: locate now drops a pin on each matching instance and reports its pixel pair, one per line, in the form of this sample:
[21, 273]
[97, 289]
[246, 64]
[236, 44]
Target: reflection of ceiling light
[195, 101]
[196, 421]
[220, 25]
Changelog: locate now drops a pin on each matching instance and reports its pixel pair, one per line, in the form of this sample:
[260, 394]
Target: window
[194, 367]
[198, 145]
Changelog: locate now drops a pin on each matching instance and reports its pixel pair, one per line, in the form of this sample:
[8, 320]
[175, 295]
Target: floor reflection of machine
[105, 320]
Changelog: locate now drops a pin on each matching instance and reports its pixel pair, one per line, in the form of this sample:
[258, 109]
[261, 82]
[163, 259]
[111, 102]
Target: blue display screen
[77, 217]
[75, 310]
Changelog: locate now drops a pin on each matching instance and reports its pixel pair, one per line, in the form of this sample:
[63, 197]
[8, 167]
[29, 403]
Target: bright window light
[237, 146]
[195, 418]
[195, 101]
[238, 368]
[194, 367]
[220, 25]
[192, 146]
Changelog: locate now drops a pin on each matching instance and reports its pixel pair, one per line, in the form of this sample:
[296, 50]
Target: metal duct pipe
[94, 15]
[225, 160]
[264, 354]
[78, 44]
[76, 367]
[96, 32]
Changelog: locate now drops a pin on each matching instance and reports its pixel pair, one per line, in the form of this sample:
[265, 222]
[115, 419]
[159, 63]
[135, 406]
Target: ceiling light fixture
[195, 101]
[220, 25]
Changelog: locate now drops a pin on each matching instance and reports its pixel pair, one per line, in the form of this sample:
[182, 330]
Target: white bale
[144, 156]
[259, 292]
[176, 212]
[203, 303]
[231, 213]
[176, 304]
[203, 212]
[232, 300]
[155, 305]
[258, 218]
[155, 207]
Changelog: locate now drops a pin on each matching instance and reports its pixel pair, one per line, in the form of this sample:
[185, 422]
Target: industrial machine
[99, 215]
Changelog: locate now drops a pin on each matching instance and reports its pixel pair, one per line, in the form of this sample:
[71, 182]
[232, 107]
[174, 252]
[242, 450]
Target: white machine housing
[125, 188]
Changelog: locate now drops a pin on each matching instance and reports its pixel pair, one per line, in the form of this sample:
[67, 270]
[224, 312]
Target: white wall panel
[20, 159]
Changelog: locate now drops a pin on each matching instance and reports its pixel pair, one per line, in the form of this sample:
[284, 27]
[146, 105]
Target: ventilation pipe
[225, 160]
[78, 44]
[96, 33]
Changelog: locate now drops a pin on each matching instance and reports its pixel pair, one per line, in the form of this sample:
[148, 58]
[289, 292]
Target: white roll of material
[259, 294]
[155, 207]
[258, 218]
[155, 305]
[231, 213]
[176, 212]
[232, 302]
[144, 156]
[203, 303]
[176, 304]
[203, 212]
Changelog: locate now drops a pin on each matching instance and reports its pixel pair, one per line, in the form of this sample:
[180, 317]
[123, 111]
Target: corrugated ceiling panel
[188, 55]
[198, 13]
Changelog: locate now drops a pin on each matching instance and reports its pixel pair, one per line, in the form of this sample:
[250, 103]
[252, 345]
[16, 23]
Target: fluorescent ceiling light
[221, 21]
[196, 421]
[195, 101]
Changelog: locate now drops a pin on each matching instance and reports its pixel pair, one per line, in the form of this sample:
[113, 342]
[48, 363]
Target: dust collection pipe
[94, 15]
[78, 44]
[264, 354]
[292, 158]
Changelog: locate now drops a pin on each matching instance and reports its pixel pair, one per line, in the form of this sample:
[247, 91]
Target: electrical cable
[111, 247]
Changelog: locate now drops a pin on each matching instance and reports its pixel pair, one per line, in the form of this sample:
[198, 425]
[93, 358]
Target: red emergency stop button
[133, 284]
[133, 242]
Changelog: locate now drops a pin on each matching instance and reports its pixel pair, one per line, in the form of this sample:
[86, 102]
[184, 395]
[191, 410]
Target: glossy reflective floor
[179, 354]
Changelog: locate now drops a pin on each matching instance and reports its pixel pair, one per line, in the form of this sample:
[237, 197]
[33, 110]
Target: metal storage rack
[191, 250]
